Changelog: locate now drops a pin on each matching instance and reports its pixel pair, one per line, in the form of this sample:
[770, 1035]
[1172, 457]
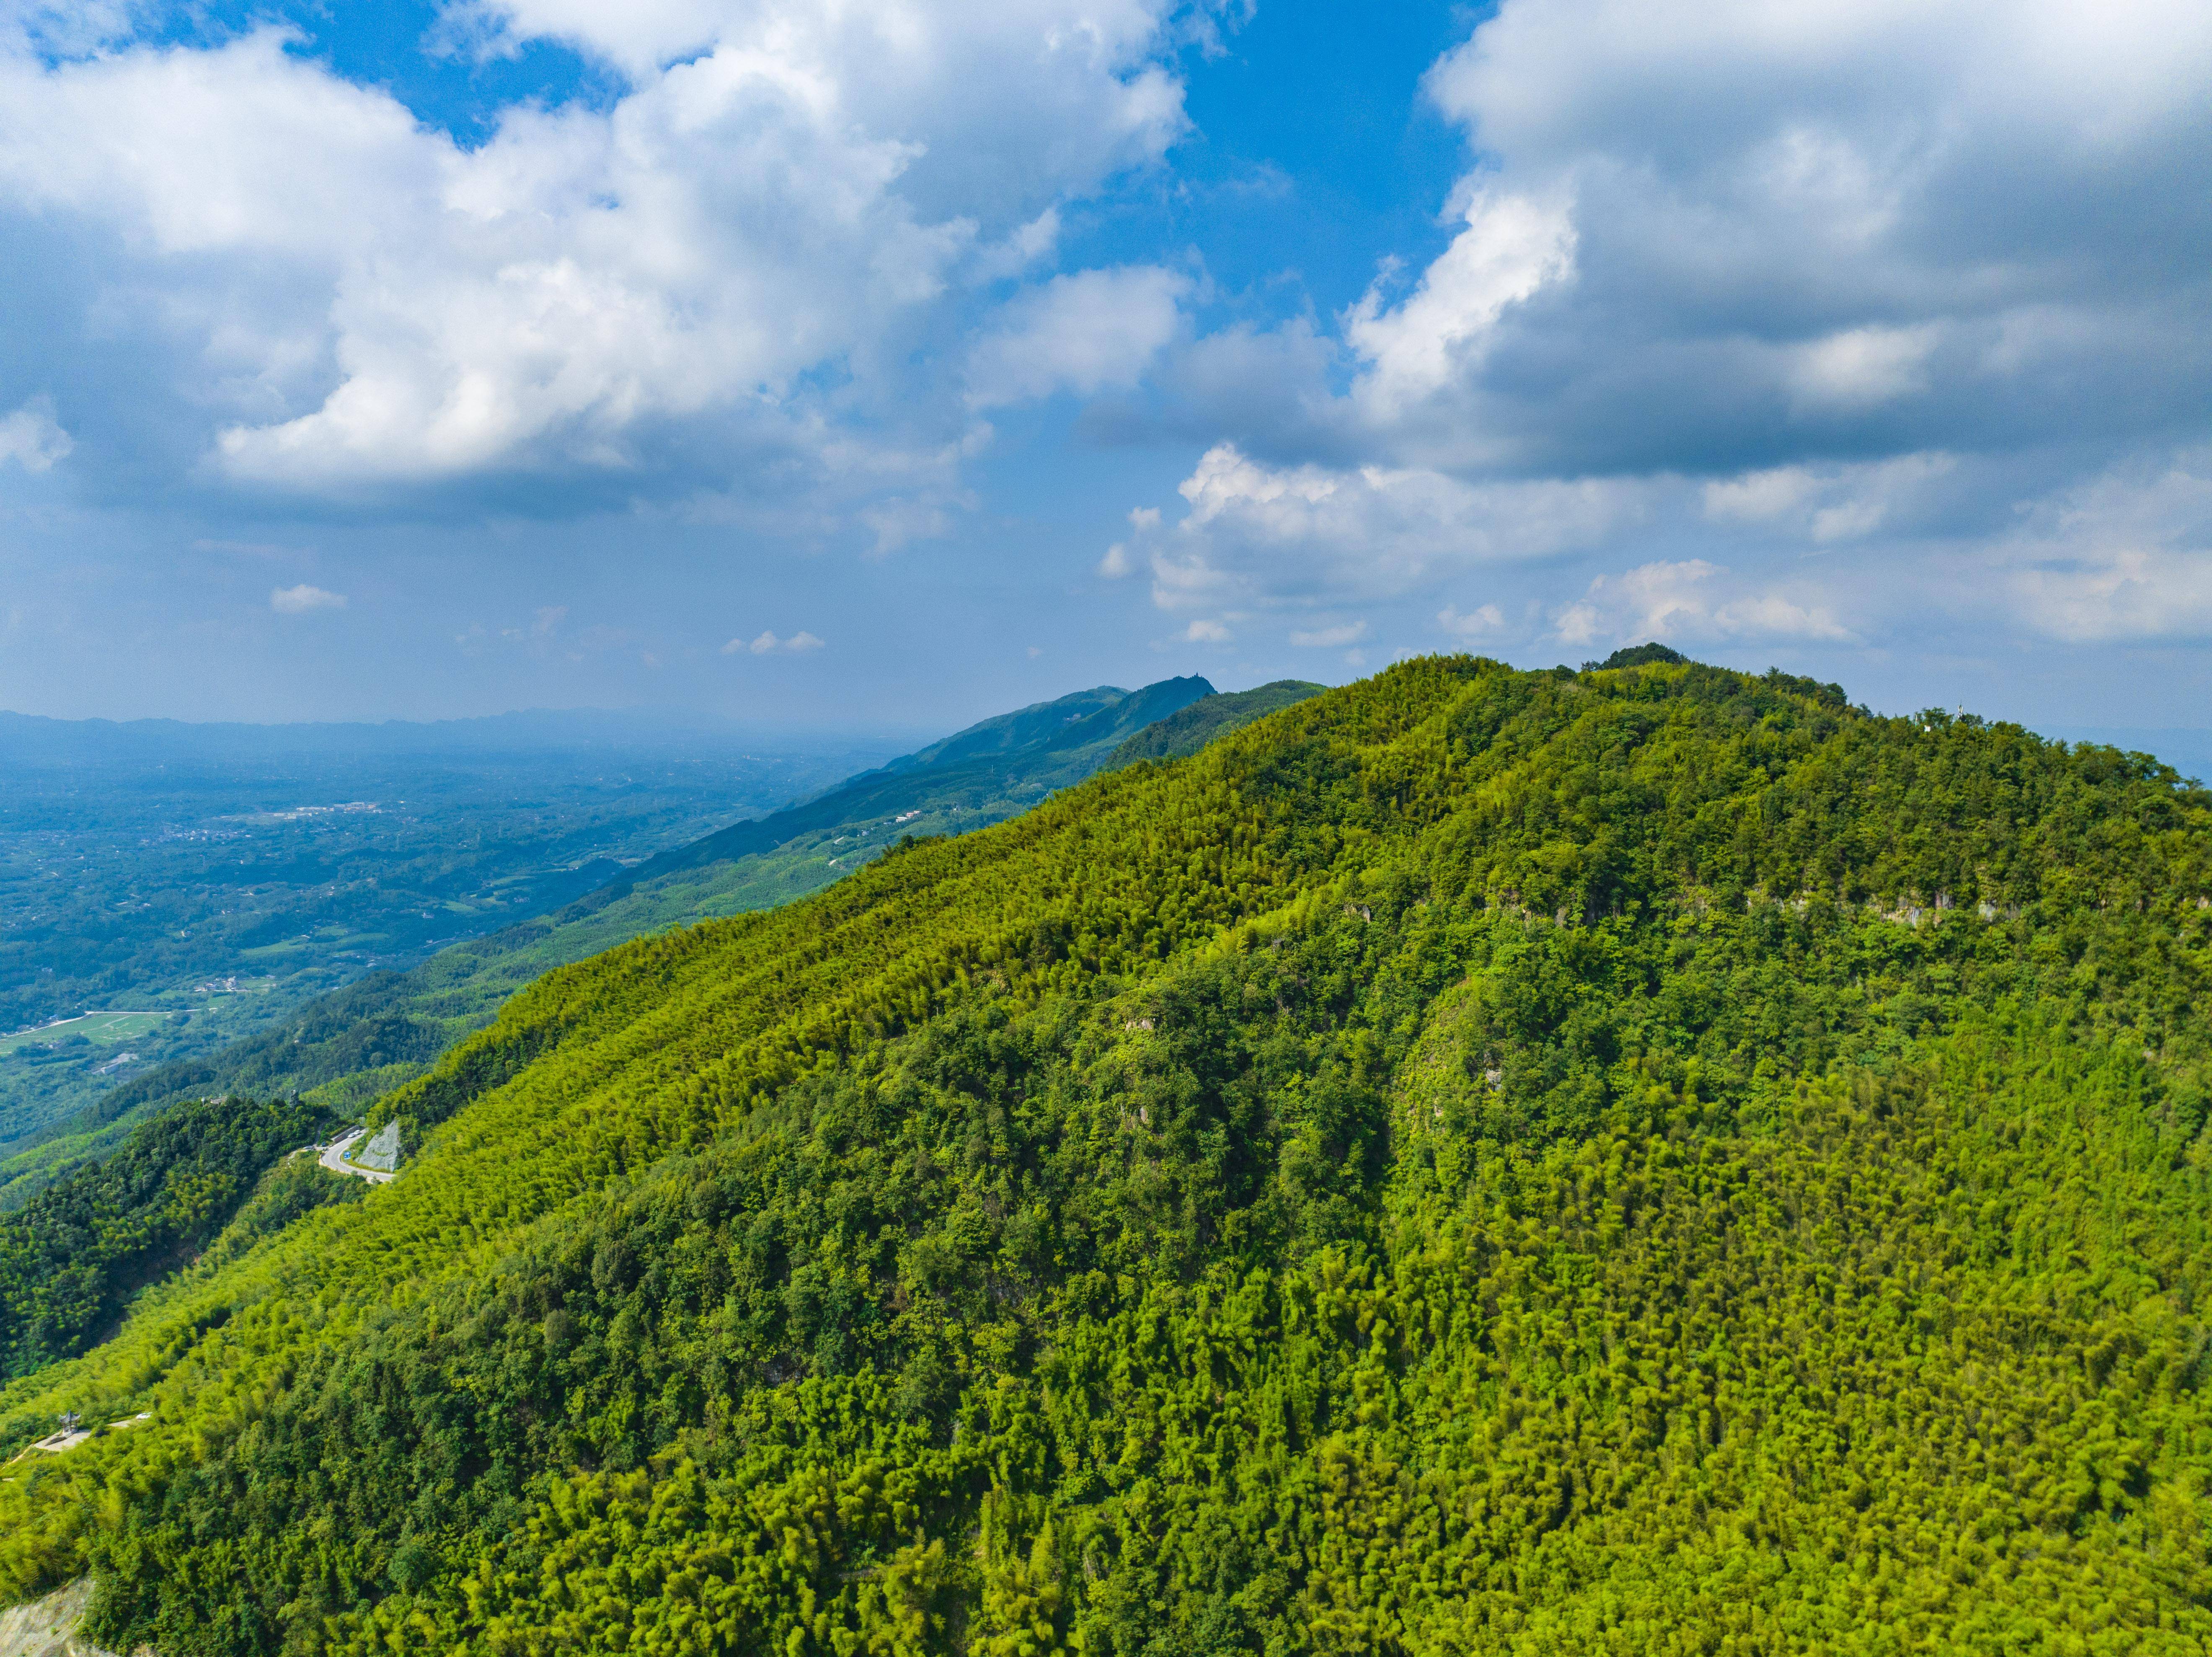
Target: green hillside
[346, 1048]
[1191, 729]
[1651, 1159]
[69, 1261]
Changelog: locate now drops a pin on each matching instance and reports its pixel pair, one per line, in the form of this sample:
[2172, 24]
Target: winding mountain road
[333, 1158]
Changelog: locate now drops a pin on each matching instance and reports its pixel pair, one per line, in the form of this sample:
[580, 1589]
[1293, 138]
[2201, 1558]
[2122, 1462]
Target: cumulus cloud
[714, 273]
[1690, 600]
[1833, 503]
[1861, 368]
[898, 521]
[2130, 595]
[1482, 621]
[1763, 322]
[1513, 246]
[1312, 533]
[1729, 287]
[1707, 235]
[301, 600]
[30, 439]
[1084, 332]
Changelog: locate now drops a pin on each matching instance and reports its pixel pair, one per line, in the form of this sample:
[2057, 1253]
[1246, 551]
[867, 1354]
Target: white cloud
[2122, 596]
[2125, 556]
[30, 439]
[1079, 78]
[1206, 633]
[788, 195]
[1227, 483]
[1513, 246]
[1115, 564]
[1311, 533]
[1737, 286]
[1478, 622]
[1689, 600]
[1084, 332]
[1830, 503]
[1861, 368]
[1029, 245]
[766, 643]
[1756, 497]
[897, 522]
[1328, 637]
[1846, 215]
[1708, 237]
[302, 598]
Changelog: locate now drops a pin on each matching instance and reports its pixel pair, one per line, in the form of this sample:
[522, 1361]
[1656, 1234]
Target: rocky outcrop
[48, 1627]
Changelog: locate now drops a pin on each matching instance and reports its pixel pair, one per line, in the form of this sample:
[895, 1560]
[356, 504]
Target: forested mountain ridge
[1087, 718]
[1650, 1159]
[1190, 729]
[69, 1262]
[348, 1046]
[1017, 757]
[133, 1199]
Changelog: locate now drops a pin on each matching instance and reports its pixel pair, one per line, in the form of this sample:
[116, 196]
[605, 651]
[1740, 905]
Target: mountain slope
[71, 1260]
[1016, 758]
[347, 1047]
[1651, 1159]
[1190, 729]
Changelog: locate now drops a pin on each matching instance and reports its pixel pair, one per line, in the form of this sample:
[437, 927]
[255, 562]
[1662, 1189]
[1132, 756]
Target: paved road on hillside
[330, 1159]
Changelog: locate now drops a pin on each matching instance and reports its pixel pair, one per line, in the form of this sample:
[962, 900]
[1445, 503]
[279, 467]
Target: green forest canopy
[1190, 729]
[347, 1046]
[1648, 1159]
[69, 1261]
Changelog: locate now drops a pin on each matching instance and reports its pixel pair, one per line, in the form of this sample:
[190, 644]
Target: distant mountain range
[1010, 761]
[1192, 727]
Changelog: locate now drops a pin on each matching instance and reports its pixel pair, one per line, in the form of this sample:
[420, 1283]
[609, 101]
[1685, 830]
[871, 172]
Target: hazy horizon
[2186, 747]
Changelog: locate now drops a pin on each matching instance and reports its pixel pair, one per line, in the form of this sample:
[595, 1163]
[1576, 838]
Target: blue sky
[888, 366]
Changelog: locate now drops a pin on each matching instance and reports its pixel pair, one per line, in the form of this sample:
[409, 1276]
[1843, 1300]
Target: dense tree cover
[1651, 1159]
[386, 1029]
[59, 1149]
[1640, 656]
[348, 1046]
[74, 1253]
[1190, 730]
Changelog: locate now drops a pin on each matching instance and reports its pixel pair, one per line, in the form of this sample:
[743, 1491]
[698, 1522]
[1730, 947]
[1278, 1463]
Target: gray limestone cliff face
[48, 1627]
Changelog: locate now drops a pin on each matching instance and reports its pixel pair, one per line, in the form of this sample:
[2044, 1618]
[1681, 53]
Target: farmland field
[97, 1028]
